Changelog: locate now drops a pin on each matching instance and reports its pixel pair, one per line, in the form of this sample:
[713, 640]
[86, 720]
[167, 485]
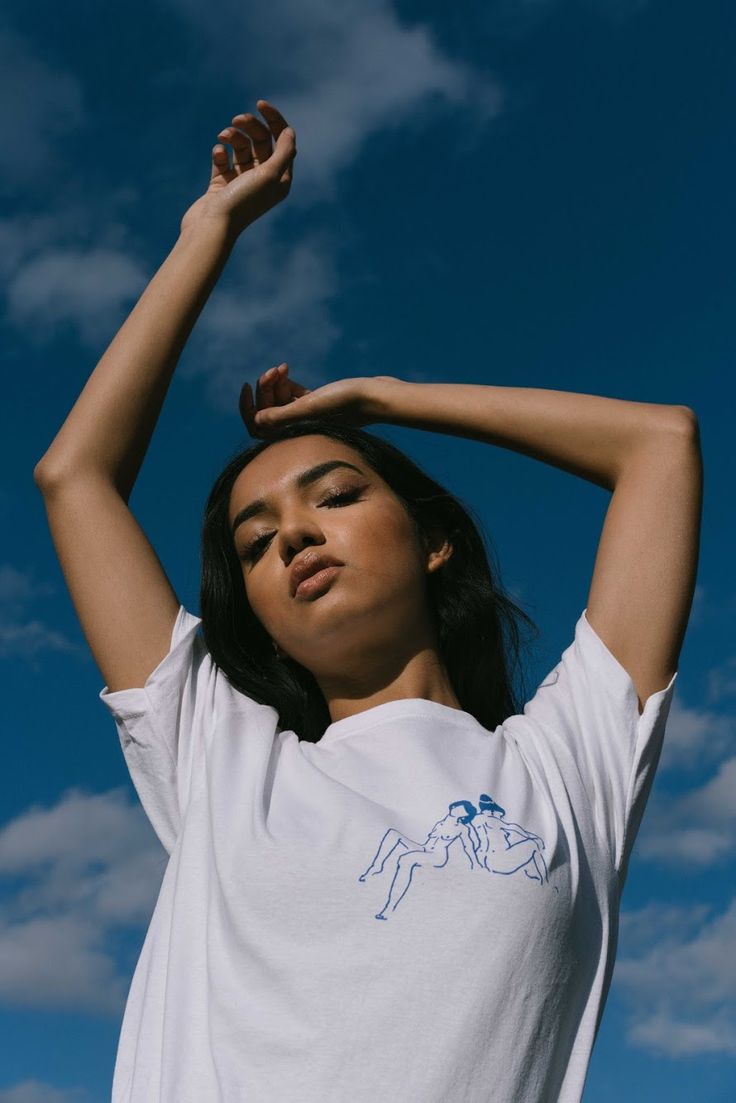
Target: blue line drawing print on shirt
[490, 843]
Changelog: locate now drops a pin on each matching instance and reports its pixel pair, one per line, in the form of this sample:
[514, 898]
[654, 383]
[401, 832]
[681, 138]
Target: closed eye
[254, 549]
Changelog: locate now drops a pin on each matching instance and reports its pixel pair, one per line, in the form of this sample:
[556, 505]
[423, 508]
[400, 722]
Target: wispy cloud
[83, 868]
[86, 289]
[23, 635]
[677, 974]
[696, 828]
[46, 105]
[696, 737]
[35, 1091]
[75, 268]
[347, 77]
[722, 680]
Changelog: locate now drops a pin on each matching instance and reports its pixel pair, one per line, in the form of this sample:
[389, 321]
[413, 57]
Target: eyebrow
[304, 478]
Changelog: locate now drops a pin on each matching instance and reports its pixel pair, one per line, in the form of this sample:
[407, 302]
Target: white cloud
[74, 225]
[20, 635]
[86, 866]
[41, 105]
[715, 801]
[346, 76]
[255, 322]
[34, 1091]
[693, 829]
[696, 737]
[58, 962]
[89, 289]
[76, 267]
[722, 680]
[665, 1036]
[678, 979]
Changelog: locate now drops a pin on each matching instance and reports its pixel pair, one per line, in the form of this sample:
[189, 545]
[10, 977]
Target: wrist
[213, 230]
[388, 396]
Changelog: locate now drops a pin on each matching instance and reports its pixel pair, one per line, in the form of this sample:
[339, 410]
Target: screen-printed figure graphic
[505, 847]
[490, 844]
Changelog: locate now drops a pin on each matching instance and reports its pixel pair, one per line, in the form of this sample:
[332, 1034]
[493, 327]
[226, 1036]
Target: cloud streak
[351, 79]
[679, 979]
[87, 867]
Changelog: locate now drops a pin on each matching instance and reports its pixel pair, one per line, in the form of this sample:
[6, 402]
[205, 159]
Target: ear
[437, 547]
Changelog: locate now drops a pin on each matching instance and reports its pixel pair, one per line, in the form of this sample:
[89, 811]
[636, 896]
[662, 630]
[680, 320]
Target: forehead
[272, 472]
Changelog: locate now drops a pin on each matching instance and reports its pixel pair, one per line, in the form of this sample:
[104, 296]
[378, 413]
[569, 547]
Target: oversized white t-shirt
[414, 908]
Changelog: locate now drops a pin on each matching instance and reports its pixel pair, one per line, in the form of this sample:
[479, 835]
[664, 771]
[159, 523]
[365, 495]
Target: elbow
[44, 476]
[685, 421]
[681, 425]
[39, 474]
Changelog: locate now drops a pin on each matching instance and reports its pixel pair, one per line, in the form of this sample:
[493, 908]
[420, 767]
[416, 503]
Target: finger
[281, 161]
[282, 388]
[260, 382]
[273, 117]
[242, 149]
[220, 163]
[285, 389]
[265, 389]
[293, 390]
[258, 132]
[269, 390]
[248, 409]
[279, 126]
[248, 412]
[277, 415]
[246, 404]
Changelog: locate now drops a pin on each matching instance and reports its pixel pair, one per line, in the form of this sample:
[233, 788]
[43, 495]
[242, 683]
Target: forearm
[110, 426]
[586, 435]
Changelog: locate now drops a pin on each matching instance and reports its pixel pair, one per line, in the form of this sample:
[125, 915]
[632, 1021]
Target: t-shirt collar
[395, 710]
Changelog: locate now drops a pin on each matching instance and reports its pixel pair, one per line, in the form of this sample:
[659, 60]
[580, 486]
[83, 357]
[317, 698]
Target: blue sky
[515, 192]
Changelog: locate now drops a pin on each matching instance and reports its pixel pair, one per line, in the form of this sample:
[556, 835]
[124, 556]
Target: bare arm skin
[648, 455]
[124, 600]
[110, 426]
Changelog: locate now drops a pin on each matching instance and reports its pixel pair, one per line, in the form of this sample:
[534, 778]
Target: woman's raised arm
[122, 596]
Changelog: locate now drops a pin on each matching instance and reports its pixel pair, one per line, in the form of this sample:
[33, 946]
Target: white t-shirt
[414, 908]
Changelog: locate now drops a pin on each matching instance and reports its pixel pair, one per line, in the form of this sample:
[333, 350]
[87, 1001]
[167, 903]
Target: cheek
[260, 596]
[387, 546]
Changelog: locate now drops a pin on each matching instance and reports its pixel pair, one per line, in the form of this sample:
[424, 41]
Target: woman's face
[376, 596]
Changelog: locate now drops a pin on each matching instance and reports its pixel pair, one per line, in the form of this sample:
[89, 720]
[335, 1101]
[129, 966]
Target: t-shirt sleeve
[584, 716]
[164, 725]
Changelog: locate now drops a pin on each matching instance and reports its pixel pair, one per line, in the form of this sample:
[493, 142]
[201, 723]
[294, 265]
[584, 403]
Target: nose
[297, 535]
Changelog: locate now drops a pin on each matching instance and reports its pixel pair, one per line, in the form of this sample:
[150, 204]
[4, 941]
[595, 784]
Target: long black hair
[476, 622]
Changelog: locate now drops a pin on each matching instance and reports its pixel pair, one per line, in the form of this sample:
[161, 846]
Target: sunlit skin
[367, 637]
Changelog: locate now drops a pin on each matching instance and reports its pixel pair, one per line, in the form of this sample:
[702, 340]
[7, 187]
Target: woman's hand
[279, 400]
[260, 176]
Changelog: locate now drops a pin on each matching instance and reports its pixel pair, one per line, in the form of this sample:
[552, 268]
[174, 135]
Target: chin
[349, 629]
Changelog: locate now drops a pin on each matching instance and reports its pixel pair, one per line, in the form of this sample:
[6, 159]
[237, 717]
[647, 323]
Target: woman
[351, 684]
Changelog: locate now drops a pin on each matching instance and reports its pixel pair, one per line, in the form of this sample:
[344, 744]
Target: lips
[309, 564]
